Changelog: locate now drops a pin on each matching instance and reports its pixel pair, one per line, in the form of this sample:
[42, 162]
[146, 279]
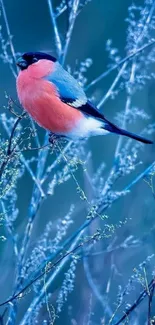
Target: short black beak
[22, 64]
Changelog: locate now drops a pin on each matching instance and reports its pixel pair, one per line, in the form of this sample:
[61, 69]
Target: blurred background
[31, 28]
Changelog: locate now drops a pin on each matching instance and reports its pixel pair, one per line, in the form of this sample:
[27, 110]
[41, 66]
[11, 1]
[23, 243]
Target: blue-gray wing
[71, 93]
[67, 86]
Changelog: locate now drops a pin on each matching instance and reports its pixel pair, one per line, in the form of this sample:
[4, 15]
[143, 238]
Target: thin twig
[10, 152]
[9, 228]
[127, 109]
[102, 298]
[49, 267]
[36, 201]
[9, 37]
[56, 161]
[143, 294]
[33, 207]
[150, 296]
[109, 92]
[132, 80]
[115, 66]
[55, 27]
[72, 18]
[24, 161]
[62, 261]
[78, 234]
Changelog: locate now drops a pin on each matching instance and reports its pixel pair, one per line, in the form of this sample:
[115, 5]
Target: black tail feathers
[115, 129]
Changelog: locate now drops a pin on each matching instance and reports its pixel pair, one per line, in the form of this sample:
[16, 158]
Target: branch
[109, 92]
[24, 161]
[77, 236]
[132, 80]
[36, 201]
[72, 18]
[55, 27]
[9, 152]
[150, 302]
[49, 267]
[143, 294]
[102, 298]
[115, 66]
[9, 37]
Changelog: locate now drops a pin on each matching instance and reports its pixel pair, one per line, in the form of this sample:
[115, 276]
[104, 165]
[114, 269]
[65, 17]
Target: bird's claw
[54, 138]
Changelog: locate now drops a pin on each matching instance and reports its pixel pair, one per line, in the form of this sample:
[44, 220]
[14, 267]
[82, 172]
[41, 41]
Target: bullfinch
[57, 102]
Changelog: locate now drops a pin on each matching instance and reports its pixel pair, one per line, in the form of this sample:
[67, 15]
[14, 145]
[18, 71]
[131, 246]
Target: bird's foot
[54, 138]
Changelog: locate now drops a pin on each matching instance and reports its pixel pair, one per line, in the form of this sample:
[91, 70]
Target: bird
[57, 102]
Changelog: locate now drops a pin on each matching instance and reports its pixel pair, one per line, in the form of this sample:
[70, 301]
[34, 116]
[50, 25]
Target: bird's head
[30, 58]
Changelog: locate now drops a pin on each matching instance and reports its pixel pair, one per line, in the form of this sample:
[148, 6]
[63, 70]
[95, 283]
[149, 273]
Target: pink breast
[39, 97]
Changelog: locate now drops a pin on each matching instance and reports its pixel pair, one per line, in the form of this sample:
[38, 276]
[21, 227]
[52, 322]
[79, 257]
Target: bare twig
[50, 267]
[10, 151]
[72, 18]
[141, 297]
[55, 27]
[77, 236]
[109, 92]
[9, 37]
[24, 161]
[150, 296]
[115, 66]
[132, 79]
